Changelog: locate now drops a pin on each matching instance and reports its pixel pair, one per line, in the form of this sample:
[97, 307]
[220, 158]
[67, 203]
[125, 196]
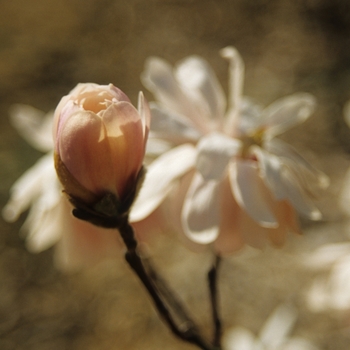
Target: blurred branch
[213, 288]
[187, 331]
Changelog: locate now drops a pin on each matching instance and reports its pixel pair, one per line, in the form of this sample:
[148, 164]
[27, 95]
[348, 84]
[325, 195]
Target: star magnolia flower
[242, 185]
[100, 141]
[50, 222]
[272, 336]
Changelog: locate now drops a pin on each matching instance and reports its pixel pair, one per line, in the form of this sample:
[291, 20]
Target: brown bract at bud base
[104, 210]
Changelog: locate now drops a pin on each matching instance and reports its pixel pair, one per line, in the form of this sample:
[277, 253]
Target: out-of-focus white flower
[330, 290]
[272, 336]
[238, 183]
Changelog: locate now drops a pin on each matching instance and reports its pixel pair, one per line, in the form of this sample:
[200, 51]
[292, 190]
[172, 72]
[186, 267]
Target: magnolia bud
[100, 140]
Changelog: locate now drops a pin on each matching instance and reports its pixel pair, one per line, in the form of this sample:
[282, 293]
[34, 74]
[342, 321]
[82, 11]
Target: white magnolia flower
[272, 336]
[238, 183]
[50, 221]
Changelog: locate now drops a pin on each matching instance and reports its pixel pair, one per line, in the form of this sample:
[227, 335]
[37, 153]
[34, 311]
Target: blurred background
[47, 47]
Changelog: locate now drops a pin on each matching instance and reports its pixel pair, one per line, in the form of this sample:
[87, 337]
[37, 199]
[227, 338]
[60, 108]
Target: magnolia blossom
[50, 221]
[234, 181]
[272, 336]
[100, 141]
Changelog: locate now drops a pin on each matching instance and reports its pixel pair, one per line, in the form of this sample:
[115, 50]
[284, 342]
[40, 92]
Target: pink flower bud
[100, 140]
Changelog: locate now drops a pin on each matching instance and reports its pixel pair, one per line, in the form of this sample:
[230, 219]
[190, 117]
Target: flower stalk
[187, 332]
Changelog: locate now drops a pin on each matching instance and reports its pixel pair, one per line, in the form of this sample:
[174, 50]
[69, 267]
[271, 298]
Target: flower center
[95, 102]
[253, 139]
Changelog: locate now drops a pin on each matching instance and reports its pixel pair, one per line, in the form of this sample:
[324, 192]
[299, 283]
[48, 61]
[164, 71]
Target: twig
[188, 334]
[213, 288]
[176, 305]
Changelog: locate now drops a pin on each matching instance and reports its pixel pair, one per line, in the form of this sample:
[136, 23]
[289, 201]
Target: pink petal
[126, 141]
[85, 150]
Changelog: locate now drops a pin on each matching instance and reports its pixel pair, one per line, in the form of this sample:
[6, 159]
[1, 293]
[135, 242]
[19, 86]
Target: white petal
[287, 112]
[246, 186]
[311, 178]
[44, 226]
[201, 213]
[214, 153]
[199, 80]
[319, 296]
[235, 86]
[159, 178]
[271, 170]
[172, 126]
[33, 125]
[239, 338]
[289, 181]
[155, 147]
[295, 194]
[159, 78]
[278, 326]
[28, 187]
[340, 285]
[145, 114]
[249, 117]
[325, 256]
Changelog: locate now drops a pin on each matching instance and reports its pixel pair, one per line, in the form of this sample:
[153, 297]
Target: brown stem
[175, 304]
[188, 333]
[213, 288]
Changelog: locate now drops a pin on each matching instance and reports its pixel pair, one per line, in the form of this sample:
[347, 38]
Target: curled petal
[214, 153]
[287, 112]
[159, 178]
[198, 79]
[172, 126]
[250, 193]
[235, 86]
[33, 125]
[201, 213]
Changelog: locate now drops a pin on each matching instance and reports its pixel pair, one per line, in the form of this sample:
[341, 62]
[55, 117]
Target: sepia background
[47, 47]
